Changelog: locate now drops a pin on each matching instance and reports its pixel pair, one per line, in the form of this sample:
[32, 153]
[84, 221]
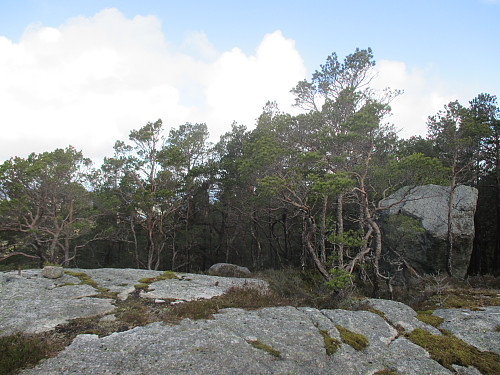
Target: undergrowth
[22, 350]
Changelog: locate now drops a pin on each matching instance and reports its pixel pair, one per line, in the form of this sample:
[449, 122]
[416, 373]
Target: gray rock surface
[32, 303]
[192, 286]
[476, 328]
[427, 251]
[398, 314]
[223, 345]
[228, 270]
[52, 272]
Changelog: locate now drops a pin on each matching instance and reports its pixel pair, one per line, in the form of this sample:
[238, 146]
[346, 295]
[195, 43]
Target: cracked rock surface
[221, 346]
[292, 339]
[32, 303]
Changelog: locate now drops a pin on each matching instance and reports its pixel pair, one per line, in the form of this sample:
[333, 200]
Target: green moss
[141, 286]
[378, 312]
[385, 372]
[497, 329]
[331, 344]
[85, 280]
[259, 345]
[356, 340]
[164, 276]
[428, 317]
[449, 350]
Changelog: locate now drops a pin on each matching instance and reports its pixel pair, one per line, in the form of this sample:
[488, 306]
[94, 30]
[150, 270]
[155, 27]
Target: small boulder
[52, 272]
[229, 270]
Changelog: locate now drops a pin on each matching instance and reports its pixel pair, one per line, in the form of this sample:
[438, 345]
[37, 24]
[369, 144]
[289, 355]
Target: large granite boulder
[228, 270]
[415, 227]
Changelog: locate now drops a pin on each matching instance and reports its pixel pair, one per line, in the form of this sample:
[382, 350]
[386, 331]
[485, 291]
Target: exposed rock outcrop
[291, 340]
[228, 270]
[425, 247]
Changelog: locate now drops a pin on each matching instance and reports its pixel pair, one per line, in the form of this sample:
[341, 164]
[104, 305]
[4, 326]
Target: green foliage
[340, 278]
[331, 184]
[351, 238]
[448, 350]
[417, 169]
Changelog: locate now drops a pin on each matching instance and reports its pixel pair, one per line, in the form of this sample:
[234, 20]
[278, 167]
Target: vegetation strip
[260, 345]
[146, 281]
[355, 340]
[429, 318]
[331, 344]
[449, 350]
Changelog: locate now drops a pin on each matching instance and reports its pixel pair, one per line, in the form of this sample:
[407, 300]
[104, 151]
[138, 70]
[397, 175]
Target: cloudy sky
[87, 72]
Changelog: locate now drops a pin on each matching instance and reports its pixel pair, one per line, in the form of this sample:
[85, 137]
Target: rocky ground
[272, 340]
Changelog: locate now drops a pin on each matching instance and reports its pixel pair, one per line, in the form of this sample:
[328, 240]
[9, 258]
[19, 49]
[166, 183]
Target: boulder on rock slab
[415, 227]
[52, 272]
[228, 270]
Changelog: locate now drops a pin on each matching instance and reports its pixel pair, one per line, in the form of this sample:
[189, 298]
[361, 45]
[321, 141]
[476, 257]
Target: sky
[86, 73]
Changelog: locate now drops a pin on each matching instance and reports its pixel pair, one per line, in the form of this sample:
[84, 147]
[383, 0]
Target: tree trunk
[323, 229]
[340, 229]
[450, 236]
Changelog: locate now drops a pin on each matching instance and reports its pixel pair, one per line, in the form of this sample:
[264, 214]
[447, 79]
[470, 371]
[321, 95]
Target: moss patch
[259, 345]
[164, 276]
[87, 280]
[449, 350]
[356, 340]
[144, 283]
[429, 318]
[331, 344]
[385, 372]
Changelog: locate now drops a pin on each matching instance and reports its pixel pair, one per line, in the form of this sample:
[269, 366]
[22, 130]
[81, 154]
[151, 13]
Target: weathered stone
[398, 314]
[189, 287]
[427, 252]
[52, 272]
[223, 345]
[228, 270]
[33, 303]
[476, 328]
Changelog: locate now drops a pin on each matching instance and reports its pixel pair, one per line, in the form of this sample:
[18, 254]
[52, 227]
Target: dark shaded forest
[296, 191]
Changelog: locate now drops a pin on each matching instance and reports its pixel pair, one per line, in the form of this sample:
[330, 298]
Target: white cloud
[90, 81]
[424, 95]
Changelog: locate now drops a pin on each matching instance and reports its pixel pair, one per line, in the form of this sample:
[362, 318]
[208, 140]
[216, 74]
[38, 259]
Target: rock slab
[223, 345]
[228, 270]
[427, 251]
